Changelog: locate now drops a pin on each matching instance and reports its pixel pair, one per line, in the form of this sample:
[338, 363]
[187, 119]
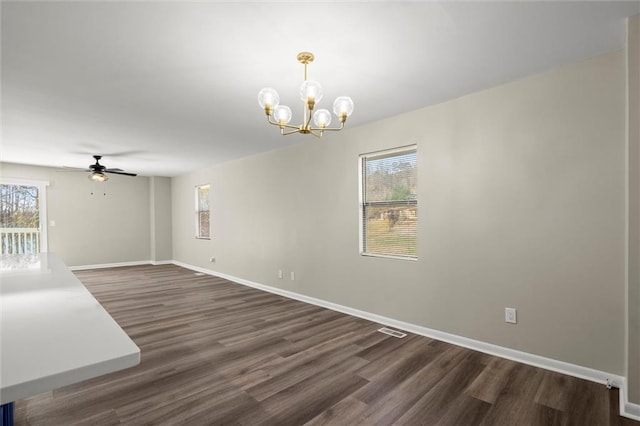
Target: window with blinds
[389, 203]
[203, 219]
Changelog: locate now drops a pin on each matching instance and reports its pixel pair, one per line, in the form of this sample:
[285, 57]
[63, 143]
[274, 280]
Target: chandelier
[310, 93]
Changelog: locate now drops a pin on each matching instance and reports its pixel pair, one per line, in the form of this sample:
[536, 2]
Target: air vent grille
[391, 332]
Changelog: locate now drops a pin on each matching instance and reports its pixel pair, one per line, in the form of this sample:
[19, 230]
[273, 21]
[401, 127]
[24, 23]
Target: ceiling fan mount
[97, 167]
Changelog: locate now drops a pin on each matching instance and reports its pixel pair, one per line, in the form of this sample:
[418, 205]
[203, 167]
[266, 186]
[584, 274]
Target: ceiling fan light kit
[310, 94]
[98, 177]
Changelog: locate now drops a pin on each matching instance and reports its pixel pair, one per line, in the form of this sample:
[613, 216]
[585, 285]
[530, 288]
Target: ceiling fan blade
[119, 173]
[97, 168]
[72, 169]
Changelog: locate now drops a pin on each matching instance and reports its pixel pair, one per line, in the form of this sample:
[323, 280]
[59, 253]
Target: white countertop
[53, 332]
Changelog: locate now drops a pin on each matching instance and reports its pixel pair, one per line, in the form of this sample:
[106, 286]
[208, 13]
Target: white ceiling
[164, 88]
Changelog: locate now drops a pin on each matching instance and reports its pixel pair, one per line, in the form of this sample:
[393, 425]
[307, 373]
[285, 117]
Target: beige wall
[96, 223]
[521, 204]
[633, 297]
[160, 218]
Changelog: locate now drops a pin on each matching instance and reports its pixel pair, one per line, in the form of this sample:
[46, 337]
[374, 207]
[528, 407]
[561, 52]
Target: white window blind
[389, 203]
[202, 212]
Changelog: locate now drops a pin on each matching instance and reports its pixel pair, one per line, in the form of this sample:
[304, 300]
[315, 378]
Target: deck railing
[20, 240]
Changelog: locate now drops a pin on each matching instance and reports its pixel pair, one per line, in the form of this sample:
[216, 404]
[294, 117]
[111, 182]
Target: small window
[389, 203]
[203, 220]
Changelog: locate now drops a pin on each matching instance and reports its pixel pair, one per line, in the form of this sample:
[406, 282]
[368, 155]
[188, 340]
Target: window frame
[363, 204]
[198, 210]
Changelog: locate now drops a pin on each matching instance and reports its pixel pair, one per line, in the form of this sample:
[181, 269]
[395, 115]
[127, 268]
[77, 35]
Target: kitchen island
[53, 332]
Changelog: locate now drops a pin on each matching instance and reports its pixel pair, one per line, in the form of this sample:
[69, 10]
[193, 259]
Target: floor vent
[199, 274]
[394, 333]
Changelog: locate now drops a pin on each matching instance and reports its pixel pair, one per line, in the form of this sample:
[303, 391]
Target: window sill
[387, 256]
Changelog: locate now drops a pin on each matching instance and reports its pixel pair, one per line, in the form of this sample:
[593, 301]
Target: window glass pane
[391, 230]
[203, 198]
[19, 206]
[203, 224]
[19, 219]
[391, 178]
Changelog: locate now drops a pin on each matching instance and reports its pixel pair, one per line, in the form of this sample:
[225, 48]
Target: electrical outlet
[279, 273]
[212, 259]
[293, 276]
[510, 315]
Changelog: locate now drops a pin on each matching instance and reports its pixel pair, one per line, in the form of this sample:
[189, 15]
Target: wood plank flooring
[218, 353]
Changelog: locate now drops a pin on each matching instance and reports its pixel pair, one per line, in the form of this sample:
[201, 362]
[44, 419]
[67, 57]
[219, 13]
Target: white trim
[500, 351]
[628, 409]
[631, 411]
[360, 206]
[112, 265]
[161, 262]
[390, 152]
[624, 390]
[23, 182]
[386, 256]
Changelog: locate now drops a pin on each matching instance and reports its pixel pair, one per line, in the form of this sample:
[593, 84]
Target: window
[389, 203]
[23, 216]
[202, 212]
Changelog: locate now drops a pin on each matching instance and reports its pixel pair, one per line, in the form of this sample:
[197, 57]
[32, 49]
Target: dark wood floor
[214, 352]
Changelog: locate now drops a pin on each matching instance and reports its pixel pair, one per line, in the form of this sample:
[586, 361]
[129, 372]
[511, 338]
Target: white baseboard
[120, 264]
[628, 409]
[111, 265]
[500, 351]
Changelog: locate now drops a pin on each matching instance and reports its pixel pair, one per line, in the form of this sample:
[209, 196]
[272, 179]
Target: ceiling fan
[98, 171]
